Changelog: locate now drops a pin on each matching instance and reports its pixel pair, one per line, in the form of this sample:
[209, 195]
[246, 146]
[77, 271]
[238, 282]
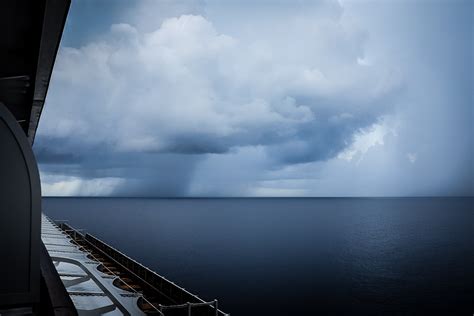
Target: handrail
[101, 245]
[189, 306]
[74, 233]
[95, 258]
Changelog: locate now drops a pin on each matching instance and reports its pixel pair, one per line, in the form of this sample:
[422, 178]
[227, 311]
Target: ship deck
[91, 290]
[102, 281]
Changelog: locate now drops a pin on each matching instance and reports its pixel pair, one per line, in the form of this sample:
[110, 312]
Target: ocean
[292, 256]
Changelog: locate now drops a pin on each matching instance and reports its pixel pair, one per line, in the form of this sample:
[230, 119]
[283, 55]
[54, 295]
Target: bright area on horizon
[261, 98]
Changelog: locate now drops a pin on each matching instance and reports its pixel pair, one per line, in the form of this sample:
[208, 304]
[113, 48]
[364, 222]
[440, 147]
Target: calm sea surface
[297, 256]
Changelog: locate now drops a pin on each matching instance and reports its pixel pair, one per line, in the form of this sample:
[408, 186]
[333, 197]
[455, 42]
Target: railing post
[189, 309]
[216, 307]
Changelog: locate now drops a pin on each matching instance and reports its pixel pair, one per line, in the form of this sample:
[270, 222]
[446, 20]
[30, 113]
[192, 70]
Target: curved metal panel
[20, 215]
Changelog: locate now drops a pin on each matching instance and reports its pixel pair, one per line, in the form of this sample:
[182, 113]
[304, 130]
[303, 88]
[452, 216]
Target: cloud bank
[219, 100]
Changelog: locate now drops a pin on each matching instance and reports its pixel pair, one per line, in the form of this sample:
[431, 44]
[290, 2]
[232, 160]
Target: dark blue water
[297, 256]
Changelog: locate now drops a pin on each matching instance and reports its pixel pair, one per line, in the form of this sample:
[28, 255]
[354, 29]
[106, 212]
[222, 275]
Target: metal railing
[75, 234]
[189, 306]
[159, 283]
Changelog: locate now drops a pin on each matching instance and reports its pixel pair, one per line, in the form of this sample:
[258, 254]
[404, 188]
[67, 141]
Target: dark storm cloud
[173, 105]
[140, 174]
[196, 144]
[333, 129]
[44, 155]
[157, 175]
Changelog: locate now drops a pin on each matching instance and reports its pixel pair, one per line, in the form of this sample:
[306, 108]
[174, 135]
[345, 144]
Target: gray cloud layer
[287, 99]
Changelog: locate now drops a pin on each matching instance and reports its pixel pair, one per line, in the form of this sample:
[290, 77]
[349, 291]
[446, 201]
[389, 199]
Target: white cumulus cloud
[298, 90]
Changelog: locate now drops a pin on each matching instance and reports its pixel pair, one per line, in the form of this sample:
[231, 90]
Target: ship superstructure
[49, 268]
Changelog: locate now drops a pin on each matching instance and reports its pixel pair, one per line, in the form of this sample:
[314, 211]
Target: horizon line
[259, 197]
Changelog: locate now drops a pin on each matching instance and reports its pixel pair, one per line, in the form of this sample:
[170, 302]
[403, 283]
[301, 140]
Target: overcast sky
[269, 98]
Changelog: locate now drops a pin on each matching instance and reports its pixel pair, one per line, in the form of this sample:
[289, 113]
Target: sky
[261, 98]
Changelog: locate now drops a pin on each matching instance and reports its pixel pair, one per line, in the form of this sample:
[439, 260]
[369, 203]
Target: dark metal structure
[20, 201]
[30, 32]
[46, 269]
